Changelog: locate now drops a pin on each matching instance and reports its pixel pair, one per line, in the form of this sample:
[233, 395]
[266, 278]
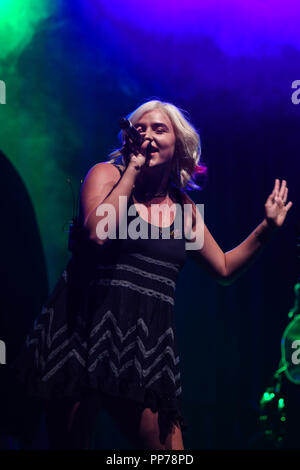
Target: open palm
[275, 208]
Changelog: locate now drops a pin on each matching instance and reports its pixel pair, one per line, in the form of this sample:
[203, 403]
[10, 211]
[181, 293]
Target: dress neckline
[149, 223]
[145, 221]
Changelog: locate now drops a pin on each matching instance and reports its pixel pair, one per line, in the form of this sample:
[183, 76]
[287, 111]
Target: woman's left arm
[276, 209]
[227, 267]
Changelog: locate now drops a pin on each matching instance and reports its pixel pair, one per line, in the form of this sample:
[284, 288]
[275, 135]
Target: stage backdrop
[69, 71]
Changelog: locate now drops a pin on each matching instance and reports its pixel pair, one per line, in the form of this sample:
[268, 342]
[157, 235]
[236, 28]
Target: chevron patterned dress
[109, 325]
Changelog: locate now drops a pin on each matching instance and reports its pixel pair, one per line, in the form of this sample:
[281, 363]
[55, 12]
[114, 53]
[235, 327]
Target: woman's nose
[148, 136]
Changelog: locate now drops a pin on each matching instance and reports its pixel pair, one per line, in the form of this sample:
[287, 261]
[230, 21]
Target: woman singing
[106, 335]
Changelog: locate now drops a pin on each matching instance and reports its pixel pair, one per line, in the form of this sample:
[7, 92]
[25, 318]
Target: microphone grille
[124, 123]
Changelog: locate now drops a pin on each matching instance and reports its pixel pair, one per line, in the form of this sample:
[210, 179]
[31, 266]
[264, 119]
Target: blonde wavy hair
[185, 163]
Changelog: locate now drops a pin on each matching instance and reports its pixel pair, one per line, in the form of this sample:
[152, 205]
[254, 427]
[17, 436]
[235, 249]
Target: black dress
[108, 325]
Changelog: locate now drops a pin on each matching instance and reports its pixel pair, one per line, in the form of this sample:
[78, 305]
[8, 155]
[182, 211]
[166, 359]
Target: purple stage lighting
[236, 26]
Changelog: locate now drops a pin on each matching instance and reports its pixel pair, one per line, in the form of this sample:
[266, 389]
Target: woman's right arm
[103, 184]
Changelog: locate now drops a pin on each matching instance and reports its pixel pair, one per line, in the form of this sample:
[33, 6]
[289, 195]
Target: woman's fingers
[282, 189]
[276, 186]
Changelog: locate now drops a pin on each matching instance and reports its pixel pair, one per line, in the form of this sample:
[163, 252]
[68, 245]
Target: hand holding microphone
[135, 148]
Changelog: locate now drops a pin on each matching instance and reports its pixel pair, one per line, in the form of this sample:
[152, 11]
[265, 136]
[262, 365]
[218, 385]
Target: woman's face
[156, 126]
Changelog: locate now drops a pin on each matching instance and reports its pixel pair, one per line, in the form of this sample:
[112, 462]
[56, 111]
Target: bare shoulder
[104, 170]
[187, 199]
[98, 183]
[189, 202]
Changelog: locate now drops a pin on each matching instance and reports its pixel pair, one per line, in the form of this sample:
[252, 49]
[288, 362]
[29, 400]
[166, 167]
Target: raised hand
[275, 206]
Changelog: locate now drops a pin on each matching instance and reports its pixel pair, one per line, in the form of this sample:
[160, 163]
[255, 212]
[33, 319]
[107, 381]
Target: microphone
[131, 131]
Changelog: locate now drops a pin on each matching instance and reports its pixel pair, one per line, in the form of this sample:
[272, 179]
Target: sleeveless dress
[108, 325]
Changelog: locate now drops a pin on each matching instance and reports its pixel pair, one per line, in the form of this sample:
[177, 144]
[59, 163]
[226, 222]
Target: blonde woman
[106, 336]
